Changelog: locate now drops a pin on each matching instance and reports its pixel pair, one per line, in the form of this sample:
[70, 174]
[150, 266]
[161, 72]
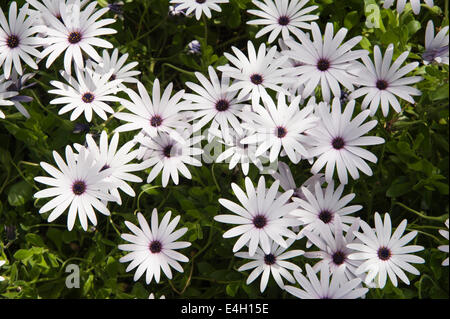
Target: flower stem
[422, 215]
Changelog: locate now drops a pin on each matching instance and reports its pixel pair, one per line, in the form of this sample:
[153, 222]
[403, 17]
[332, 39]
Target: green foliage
[410, 179]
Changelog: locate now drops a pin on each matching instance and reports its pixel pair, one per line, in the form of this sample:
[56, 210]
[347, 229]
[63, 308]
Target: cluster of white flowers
[312, 67]
[268, 103]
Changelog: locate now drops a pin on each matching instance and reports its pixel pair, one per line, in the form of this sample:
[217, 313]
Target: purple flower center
[256, 78]
[382, 85]
[155, 246]
[323, 64]
[326, 216]
[74, 37]
[222, 105]
[338, 143]
[156, 121]
[87, 97]
[200, 1]
[167, 150]
[280, 132]
[338, 258]
[12, 41]
[284, 20]
[78, 187]
[259, 221]
[384, 253]
[270, 259]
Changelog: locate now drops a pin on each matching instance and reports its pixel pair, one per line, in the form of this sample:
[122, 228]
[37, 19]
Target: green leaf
[34, 239]
[398, 189]
[351, 19]
[20, 193]
[23, 254]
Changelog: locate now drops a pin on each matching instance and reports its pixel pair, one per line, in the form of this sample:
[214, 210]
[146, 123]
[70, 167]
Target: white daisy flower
[338, 139]
[237, 152]
[90, 91]
[155, 115]
[18, 83]
[199, 6]
[321, 208]
[281, 127]
[79, 184]
[380, 83]
[337, 288]
[287, 182]
[257, 72]
[415, 4]
[120, 70]
[17, 40]
[273, 263]
[5, 94]
[117, 161]
[48, 7]
[213, 102]
[170, 156]
[262, 216]
[444, 248]
[333, 247]
[385, 254]
[153, 247]
[436, 48]
[79, 30]
[2, 262]
[325, 61]
[282, 16]
[152, 296]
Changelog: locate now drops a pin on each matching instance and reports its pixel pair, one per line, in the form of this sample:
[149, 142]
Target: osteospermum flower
[381, 83]
[117, 161]
[121, 71]
[325, 61]
[5, 94]
[282, 16]
[282, 127]
[338, 139]
[213, 102]
[17, 40]
[333, 247]
[79, 184]
[336, 288]
[321, 208]
[89, 92]
[171, 156]
[262, 216]
[385, 254]
[273, 263]
[436, 48]
[2, 262]
[199, 6]
[237, 152]
[155, 115]
[256, 73]
[444, 248]
[17, 84]
[48, 7]
[78, 31]
[415, 4]
[152, 248]
[152, 296]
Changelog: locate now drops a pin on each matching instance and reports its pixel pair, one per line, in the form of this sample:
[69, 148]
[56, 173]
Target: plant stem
[440, 218]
